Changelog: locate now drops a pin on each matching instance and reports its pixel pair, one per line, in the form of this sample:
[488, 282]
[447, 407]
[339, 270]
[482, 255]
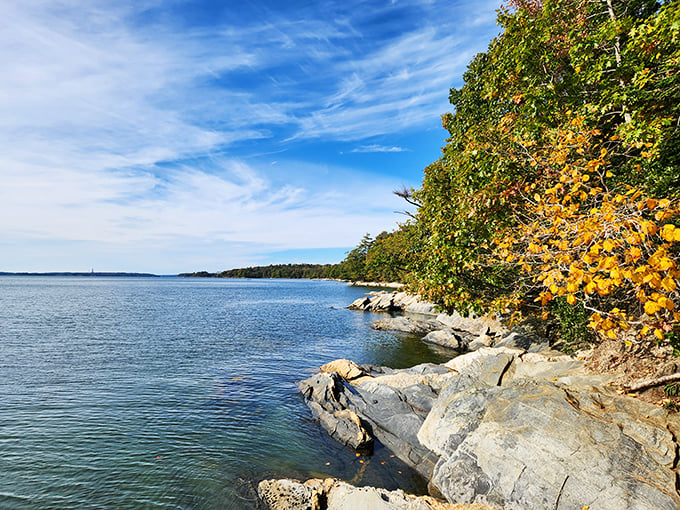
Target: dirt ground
[642, 360]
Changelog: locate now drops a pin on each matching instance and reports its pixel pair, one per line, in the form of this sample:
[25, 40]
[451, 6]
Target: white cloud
[120, 138]
[378, 148]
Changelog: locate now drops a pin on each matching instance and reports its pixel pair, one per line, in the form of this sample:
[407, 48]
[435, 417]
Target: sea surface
[172, 393]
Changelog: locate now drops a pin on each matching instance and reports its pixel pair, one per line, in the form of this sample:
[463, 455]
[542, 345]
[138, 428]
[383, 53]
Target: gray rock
[392, 406]
[345, 427]
[486, 364]
[331, 494]
[528, 342]
[325, 396]
[447, 338]
[473, 325]
[406, 325]
[393, 302]
[540, 446]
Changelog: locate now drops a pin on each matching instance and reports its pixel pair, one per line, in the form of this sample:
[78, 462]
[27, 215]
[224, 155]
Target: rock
[331, 494]
[345, 368]
[446, 338]
[285, 495]
[392, 407]
[475, 326]
[345, 427]
[487, 364]
[406, 325]
[360, 304]
[393, 302]
[324, 388]
[540, 446]
[325, 396]
[519, 340]
[554, 366]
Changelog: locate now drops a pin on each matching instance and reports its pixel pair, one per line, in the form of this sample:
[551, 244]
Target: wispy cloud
[134, 128]
[378, 148]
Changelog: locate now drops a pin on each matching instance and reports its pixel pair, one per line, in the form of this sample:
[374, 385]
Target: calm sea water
[176, 393]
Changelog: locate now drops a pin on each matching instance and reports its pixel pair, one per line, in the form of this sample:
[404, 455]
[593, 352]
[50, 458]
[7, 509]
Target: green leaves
[616, 70]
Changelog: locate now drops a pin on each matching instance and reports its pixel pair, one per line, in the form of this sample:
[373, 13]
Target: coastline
[450, 422]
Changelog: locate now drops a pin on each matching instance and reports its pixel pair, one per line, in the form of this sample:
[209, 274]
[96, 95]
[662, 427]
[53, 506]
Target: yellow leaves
[670, 233]
[578, 240]
[668, 284]
[545, 298]
[635, 253]
[649, 227]
[652, 307]
[609, 245]
[658, 334]
[666, 263]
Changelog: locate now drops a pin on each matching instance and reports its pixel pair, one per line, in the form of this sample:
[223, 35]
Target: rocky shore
[509, 424]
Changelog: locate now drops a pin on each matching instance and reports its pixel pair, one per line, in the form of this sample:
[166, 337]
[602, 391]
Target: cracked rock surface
[513, 429]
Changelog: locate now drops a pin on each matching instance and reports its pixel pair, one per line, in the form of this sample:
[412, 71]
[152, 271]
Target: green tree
[614, 64]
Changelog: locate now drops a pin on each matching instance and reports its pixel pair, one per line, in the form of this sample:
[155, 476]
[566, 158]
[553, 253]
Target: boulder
[345, 368]
[325, 397]
[406, 325]
[392, 407]
[447, 338]
[287, 494]
[393, 302]
[473, 325]
[526, 341]
[345, 427]
[487, 364]
[540, 446]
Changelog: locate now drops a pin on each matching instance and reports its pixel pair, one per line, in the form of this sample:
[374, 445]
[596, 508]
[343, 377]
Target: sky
[171, 136]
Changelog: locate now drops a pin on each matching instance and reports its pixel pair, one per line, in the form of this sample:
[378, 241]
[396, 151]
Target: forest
[557, 190]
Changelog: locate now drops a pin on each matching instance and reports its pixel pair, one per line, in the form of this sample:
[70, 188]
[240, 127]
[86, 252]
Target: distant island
[271, 271]
[84, 273]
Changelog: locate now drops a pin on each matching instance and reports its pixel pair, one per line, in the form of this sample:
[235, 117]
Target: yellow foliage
[585, 241]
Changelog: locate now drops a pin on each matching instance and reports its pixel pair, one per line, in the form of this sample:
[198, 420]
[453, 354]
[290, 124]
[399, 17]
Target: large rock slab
[541, 446]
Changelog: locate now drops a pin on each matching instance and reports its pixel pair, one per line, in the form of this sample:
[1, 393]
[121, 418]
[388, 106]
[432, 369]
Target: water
[176, 393]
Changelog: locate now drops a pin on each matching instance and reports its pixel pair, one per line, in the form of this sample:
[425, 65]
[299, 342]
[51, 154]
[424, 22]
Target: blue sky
[169, 136]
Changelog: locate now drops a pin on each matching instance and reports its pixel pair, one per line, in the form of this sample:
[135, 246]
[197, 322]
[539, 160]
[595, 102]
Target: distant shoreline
[91, 273]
